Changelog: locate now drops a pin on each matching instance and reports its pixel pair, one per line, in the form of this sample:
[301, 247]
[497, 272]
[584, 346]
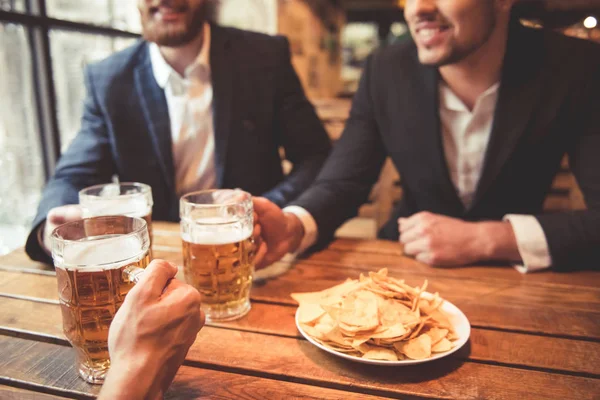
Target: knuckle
[192, 295]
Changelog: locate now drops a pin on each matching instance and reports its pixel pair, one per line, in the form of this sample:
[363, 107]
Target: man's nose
[419, 8]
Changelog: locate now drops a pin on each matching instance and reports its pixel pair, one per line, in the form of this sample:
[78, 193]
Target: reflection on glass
[119, 14]
[71, 52]
[20, 156]
[12, 5]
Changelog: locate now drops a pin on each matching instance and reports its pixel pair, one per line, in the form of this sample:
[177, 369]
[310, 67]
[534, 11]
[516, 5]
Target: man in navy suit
[193, 106]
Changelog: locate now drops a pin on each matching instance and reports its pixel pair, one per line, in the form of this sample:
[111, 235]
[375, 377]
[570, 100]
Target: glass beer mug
[218, 250]
[97, 260]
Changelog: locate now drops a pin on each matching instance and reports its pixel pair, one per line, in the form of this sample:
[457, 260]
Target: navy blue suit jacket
[259, 106]
[547, 107]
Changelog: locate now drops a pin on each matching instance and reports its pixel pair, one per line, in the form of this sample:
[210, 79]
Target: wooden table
[534, 336]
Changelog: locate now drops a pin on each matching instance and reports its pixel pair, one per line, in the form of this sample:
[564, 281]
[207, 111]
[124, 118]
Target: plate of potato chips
[381, 320]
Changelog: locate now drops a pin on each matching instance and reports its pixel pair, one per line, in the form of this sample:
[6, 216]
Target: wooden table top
[533, 336]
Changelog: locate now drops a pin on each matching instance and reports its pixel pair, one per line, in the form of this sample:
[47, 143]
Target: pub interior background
[45, 44]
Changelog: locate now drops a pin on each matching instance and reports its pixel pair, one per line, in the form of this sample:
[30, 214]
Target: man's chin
[436, 60]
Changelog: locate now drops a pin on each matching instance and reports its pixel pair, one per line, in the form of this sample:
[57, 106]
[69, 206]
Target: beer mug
[218, 250]
[97, 260]
[130, 199]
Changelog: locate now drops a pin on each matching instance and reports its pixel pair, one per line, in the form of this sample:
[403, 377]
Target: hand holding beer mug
[130, 199]
[218, 250]
[97, 262]
[151, 334]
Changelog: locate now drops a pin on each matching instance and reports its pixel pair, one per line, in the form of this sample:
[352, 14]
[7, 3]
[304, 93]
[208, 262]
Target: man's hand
[443, 241]
[151, 334]
[280, 232]
[56, 217]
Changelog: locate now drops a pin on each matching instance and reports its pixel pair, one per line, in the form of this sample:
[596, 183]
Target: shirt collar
[450, 101]
[163, 71]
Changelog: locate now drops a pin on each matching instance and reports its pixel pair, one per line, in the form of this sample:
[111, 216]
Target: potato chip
[436, 334]
[418, 348]
[309, 313]
[360, 309]
[381, 354]
[393, 331]
[442, 346]
[315, 333]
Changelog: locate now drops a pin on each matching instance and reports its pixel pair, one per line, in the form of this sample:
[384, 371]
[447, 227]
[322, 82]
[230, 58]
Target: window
[44, 46]
[119, 14]
[71, 52]
[20, 155]
[12, 5]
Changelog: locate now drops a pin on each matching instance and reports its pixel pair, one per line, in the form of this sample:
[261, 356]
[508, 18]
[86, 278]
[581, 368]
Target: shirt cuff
[531, 242]
[311, 231]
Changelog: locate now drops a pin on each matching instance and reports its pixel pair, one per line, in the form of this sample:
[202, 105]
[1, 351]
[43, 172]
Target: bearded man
[191, 106]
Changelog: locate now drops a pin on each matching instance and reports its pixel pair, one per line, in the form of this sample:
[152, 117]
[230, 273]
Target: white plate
[457, 318]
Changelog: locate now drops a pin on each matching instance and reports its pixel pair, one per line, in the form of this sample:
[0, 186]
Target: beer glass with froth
[97, 262]
[127, 198]
[218, 250]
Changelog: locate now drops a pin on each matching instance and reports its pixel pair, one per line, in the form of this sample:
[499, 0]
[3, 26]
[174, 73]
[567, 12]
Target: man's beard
[173, 35]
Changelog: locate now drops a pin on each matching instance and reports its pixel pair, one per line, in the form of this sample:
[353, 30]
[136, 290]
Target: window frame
[37, 25]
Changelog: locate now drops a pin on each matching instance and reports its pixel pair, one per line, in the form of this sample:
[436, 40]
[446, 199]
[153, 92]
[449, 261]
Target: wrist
[134, 379]
[295, 231]
[497, 242]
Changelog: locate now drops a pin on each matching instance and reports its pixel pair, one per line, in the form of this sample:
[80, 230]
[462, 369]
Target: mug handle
[132, 274]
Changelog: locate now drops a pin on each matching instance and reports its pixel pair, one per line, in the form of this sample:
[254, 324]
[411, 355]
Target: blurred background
[45, 44]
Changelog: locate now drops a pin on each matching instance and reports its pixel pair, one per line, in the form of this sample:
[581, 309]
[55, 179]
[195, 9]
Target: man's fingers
[260, 257]
[256, 232]
[156, 276]
[172, 285]
[405, 224]
[410, 235]
[425, 258]
[416, 247]
[64, 214]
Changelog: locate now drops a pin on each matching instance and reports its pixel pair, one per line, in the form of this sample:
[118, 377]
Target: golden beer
[94, 274]
[218, 250]
[221, 272]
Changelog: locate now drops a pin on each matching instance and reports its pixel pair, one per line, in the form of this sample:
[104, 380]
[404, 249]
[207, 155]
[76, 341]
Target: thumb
[262, 205]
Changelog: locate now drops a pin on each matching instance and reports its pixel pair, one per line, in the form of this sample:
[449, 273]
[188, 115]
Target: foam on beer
[131, 207]
[101, 253]
[215, 231]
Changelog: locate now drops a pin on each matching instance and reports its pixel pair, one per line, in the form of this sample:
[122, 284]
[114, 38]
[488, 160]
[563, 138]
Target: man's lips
[431, 33]
[168, 13]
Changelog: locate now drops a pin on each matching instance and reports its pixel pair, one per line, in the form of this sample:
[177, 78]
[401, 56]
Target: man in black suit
[193, 106]
[476, 112]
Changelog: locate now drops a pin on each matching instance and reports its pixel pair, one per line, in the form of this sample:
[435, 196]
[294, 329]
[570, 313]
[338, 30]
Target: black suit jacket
[259, 105]
[547, 106]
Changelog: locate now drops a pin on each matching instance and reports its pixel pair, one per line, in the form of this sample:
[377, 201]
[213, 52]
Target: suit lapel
[156, 115]
[420, 104]
[222, 72]
[519, 92]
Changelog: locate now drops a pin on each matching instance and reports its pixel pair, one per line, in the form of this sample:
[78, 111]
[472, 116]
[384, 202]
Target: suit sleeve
[353, 167]
[86, 162]
[574, 237]
[300, 132]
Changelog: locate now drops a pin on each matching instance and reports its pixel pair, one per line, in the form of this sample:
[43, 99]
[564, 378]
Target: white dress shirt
[466, 135]
[190, 103]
